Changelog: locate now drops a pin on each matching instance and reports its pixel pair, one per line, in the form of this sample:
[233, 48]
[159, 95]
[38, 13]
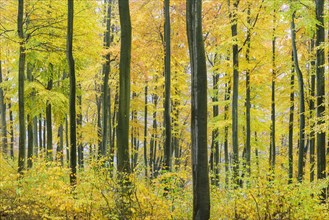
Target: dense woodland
[159, 109]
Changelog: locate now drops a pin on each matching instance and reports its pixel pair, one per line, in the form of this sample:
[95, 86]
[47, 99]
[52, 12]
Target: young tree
[167, 119]
[4, 142]
[124, 88]
[301, 101]
[201, 194]
[71, 64]
[21, 73]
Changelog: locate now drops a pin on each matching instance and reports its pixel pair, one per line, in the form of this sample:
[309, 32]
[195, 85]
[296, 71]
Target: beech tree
[201, 194]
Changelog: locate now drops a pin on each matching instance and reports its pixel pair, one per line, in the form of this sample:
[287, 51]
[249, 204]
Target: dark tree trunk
[67, 141]
[201, 195]
[215, 132]
[29, 123]
[320, 89]
[272, 144]
[226, 117]
[79, 124]
[4, 141]
[11, 121]
[60, 145]
[21, 70]
[312, 111]
[145, 131]
[40, 133]
[167, 119]
[235, 131]
[302, 102]
[106, 73]
[49, 117]
[29, 141]
[73, 123]
[248, 105]
[124, 89]
[153, 136]
[291, 126]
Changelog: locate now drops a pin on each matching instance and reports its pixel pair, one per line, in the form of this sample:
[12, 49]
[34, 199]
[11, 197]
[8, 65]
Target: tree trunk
[215, 132]
[272, 144]
[21, 70]
[226, 113]
[29, 123]
[320, 89]
[106, 73]
[302, 102]
[60, 145]
[167, 118]
[124, 89]
[235, 131]
[4, 141]
[248, 105]
[73, 125]
[79, 124]
[201, 195]
[291, 126]
[145, 131]
[49, 117]
[312, 111]
[11, 122]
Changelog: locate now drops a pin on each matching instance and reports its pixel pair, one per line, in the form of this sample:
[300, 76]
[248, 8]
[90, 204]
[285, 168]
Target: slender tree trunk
[167, 118]
[124, 89]
[153, 136]
[4, 141]
[67, 141]
[35, 136]
[273, 127]
[248, 105]
[201, 195]
[79, 124]
[215, 132]
[21, 70]
[226, 117]
[302, 102]
[73, 125]
[312, 111]
[235, 131]
[49, 117]
[60, 145]
[11, 122]
[145, 131]
[29, 124]
[291, 126]
[106, 73]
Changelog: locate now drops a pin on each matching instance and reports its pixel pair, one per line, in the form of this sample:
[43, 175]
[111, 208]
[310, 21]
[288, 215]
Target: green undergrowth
[44, 192]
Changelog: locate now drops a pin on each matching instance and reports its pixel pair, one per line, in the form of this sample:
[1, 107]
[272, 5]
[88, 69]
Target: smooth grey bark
[235, 96]
[301, 102]
[167, 107]
[153, 142]
[201, 194]
[227, 97]
[35, 136]
[71, 64]
[67, 141]
[21, 73]
[124, 88]
[320, 89]
[49, 116]
[106, 72]
[3, 110]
